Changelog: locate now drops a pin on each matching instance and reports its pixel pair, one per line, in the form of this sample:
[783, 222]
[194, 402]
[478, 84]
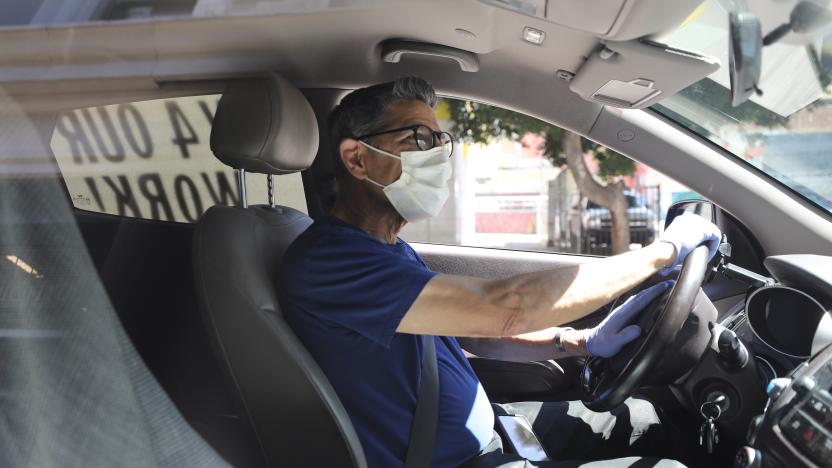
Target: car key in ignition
[708, 435]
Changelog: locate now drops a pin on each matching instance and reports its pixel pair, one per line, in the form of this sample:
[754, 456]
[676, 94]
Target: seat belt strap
[423, 432]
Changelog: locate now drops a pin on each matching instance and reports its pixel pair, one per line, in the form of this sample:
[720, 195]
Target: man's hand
[687, 232]
[607, 339]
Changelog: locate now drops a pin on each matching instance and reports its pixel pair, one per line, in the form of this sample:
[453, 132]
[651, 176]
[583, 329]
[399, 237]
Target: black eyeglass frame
[437, 136]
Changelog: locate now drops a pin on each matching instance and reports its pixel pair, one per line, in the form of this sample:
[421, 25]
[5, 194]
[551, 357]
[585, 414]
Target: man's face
[384, 169]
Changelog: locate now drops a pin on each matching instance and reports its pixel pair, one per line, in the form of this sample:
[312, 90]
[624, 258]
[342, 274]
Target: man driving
[360, 299]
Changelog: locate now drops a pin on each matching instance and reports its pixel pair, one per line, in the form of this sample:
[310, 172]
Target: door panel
[493, 263]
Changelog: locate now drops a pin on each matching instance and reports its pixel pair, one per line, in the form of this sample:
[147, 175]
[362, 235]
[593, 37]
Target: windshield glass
[787, 131]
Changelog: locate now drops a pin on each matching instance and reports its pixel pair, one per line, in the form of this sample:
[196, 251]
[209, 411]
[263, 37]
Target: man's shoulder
[327, 242]
[410, 252]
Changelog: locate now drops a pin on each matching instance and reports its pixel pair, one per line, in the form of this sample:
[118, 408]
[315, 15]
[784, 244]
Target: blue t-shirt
[344, 294]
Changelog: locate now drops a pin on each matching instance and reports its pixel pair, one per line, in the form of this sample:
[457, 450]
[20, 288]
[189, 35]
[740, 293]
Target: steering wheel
[609, 381]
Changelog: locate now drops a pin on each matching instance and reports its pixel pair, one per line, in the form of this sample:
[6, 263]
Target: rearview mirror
[807, 18]
[745, 48]
[702, 208]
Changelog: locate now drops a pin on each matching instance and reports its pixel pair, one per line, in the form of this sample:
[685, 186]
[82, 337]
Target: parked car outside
[596, 225]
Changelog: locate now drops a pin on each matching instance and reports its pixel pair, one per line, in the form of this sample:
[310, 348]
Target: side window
[152, 160]
[514, 187]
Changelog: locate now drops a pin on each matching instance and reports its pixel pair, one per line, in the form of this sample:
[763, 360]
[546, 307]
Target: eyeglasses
[425, 137]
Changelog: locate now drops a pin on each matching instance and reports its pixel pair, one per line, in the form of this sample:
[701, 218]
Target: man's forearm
[453, 305]
[535, 346]
[544, 299]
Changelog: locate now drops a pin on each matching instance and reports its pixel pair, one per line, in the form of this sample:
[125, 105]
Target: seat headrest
[264, 125]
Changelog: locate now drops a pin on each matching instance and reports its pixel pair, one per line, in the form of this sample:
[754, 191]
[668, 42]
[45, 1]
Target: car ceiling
[331, 48]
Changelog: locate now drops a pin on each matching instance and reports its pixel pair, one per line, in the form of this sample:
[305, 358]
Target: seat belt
[423, 432]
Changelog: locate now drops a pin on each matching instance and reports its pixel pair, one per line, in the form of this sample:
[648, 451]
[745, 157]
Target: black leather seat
[266, 126]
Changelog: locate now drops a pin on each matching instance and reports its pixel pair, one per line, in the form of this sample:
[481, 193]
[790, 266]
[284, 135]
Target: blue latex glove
[607, 339]
[687, 232]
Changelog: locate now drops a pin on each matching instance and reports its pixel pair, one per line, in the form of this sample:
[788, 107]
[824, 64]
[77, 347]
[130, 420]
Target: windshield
[787, 131]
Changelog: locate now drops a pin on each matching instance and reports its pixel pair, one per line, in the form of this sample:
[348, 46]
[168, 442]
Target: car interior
[198, 302]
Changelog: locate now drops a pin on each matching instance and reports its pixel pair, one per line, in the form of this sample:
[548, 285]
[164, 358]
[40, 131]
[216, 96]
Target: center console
[795, 429]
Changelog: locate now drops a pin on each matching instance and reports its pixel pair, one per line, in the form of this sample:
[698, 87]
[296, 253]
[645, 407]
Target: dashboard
[787, 327]
[786, 322]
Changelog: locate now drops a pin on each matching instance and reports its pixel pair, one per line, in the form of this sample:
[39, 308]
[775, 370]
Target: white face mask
[422, 189]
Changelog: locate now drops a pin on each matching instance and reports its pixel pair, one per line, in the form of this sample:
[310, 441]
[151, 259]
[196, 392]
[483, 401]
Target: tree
[481, 123]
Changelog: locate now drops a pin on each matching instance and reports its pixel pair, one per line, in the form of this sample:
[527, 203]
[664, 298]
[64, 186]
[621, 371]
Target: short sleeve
[358, 283]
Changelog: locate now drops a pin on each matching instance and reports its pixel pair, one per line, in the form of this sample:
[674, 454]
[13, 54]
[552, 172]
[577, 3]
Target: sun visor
[637, 74]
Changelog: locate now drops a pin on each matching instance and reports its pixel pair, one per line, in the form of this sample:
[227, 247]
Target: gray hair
[364, 110]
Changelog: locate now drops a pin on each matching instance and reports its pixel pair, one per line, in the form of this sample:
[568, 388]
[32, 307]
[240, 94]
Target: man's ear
[353, 158]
